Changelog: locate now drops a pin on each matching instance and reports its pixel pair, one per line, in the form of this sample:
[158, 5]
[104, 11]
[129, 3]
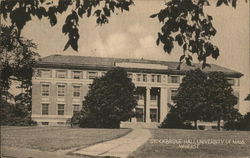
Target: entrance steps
[138, 125]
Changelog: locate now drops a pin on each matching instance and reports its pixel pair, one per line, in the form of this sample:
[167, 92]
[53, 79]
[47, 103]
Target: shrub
[173, 121]
[242, 124]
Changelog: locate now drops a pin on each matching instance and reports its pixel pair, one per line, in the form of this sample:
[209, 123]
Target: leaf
[219, 3]
[89, 11]
[81, 11]
[158, 41]
[168, 48]
[182, 57]
[153, 15]
[234, 3]
[215, 53]
[106, 11]
[97, 12]
[66, 45]
[74, 45]
[179, 39]
[53, 20]
[188, 62]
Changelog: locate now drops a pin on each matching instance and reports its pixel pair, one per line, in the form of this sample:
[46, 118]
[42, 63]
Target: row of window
[64, 74]
[60, 109]
[155, 78]
[61, 90]
[92, 75]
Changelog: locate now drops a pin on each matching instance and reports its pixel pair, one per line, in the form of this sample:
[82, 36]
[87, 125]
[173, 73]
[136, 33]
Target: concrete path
[120, 147]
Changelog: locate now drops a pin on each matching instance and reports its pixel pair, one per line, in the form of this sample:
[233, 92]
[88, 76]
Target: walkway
[120, 147]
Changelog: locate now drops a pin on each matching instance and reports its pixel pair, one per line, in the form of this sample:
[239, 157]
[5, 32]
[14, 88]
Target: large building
[61, 82]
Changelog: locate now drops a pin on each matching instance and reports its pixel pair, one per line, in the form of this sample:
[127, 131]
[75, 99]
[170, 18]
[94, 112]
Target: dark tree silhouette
[110, 100]
[186, 23]
[21, 12]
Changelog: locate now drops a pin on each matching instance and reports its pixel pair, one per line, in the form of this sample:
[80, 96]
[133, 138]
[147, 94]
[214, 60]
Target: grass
[154, 149]
[56, 138]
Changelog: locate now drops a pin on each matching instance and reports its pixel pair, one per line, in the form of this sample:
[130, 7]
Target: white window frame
[78, 76]
[59, 91]
[144, 77]
[158, 78]
[45, 104]
[178, 79]
[171, 93]
[58, 75]
[76, 92]
[92, 76]
[60, 110]
[47, 92]
[78, 108]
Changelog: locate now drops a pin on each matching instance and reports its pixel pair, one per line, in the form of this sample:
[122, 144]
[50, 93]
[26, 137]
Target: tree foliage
[21, 12]
[220, 98]
[110, 100]
[186, 23]
[17, 57]
[190, 100]
[205, 97]
[242, 123]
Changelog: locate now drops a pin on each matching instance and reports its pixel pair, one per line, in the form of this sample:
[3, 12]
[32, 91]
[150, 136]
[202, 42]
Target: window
[174, 79]
[46, 73]
[77, 74]
[76, 108]
[45, 109]
[60, 109]
[231, 82]
[153, 97]
[153, 115]
[144, 78]
[139, 114]
[92, 75]
[61, 74]
[158, 78]
[61, 90]
[138, 77]
[153, 78]
[76, 91]
[141, 97]
[173, 93]
[45, 90]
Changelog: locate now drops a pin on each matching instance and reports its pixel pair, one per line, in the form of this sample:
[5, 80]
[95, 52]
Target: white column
[163, 103]
[148, 104]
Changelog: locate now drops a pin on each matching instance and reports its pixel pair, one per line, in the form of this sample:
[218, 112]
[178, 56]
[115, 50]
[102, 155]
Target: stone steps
[138, 125]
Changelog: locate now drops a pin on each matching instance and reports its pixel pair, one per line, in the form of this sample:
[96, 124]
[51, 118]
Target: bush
[12, 115]
[173, 121]
[242, 124]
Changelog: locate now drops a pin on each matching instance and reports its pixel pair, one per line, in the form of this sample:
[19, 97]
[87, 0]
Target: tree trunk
[218, 124]
[195, 124]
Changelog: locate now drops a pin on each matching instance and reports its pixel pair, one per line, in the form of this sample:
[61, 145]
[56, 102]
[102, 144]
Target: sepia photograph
[125, 78]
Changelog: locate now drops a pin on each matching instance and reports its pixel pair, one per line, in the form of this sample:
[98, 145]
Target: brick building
[61, 82]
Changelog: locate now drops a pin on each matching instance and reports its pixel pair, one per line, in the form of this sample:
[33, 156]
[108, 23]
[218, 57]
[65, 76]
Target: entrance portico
[152, 104]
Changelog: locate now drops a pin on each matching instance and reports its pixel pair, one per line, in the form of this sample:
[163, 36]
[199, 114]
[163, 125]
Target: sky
[133, 35]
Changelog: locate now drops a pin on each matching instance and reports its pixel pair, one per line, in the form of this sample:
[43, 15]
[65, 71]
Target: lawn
[165, 143]
[56, 138]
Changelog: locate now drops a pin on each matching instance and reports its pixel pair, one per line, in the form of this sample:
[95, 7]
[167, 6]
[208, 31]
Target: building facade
[61, 82]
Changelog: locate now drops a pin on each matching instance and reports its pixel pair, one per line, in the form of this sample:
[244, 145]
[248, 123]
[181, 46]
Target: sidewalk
[120, 147]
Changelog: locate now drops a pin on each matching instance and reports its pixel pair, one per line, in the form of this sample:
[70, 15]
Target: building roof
[104, 63]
